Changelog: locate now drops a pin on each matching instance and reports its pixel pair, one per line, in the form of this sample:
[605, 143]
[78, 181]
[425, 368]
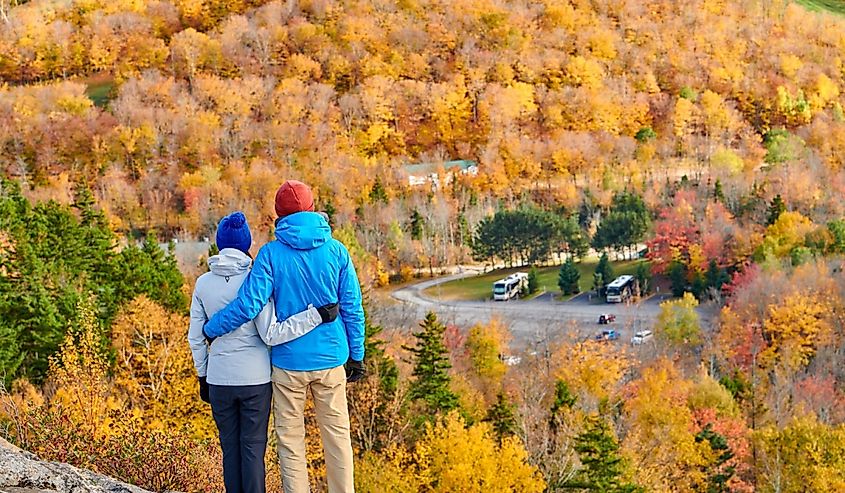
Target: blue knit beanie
[233, 232]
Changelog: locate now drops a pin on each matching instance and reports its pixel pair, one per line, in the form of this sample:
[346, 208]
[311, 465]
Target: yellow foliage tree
[80, 373]
[678, 321]
[684, 119]
[794, 328]
[602, 44]
[592, 370]
[804, 456]
[660, 443]
[192, 51]
[790, 65]
[391, 470]
[585, 72]
[825, 91]
[728, 160]
[485, 345]
[451, 111]
[454, 458]
[788, 232]
[155, 369]
[708, 393]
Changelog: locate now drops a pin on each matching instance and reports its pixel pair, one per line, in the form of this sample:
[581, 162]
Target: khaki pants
[328, 387]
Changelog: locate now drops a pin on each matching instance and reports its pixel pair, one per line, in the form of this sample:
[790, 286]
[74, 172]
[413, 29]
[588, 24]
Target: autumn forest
[699, 144]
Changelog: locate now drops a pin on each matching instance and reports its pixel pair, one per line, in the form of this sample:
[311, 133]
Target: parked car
[511, 360]
[606, 318]
[607, 335]
[641, 337]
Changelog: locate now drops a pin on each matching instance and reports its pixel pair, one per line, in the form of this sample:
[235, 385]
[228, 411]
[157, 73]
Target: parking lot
[529, 320]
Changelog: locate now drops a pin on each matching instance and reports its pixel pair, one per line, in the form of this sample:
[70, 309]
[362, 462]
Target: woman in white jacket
[234, 369]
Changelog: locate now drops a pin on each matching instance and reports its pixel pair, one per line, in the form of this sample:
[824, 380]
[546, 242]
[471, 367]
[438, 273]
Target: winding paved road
[529, 321]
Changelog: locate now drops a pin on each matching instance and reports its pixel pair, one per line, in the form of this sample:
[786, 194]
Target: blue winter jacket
[305, 265]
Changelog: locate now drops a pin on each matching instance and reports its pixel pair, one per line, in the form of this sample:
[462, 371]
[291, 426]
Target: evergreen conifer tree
[604, 269]
[416, 224]
[567, 279]
[152, 271]
[603, 466]
[776, 207]
[533, 281]
[502, 416]
[715, 276]
[430, 384]
[52, 256]
[718, 192]
[719, 473]
[643, 276]
[677, 272]
[564, 400]
[378, 192]
[376, 359]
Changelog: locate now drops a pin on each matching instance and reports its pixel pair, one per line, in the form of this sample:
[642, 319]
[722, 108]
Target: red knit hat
[292, 197]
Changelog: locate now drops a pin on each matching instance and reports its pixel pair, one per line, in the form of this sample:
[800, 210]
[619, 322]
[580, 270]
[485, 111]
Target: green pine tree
[776, 207]
[836, 228]
[603, 467]
[417, 223]
[718, 192]
[643, 277]
[533, 280]
[644, 134]
[715, 277]
[377, 360]
[378, 192]
[568, 277]
[698, 286]
[678, 276]
[152, 271]
[464, 231]
[503, 417]
[330, 210]
[58, 255]
[430, 384]
[564, 399]
[605, 270]
[53, 258]
[718, 472]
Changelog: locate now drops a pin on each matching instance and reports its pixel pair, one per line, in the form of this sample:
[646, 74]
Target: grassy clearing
[100, 90]
[479, 288]
[835, 6]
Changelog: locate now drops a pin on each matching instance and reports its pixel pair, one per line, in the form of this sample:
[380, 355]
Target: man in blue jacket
[305, 265]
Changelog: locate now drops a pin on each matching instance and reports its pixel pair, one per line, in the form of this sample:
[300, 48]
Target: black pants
[242, 414]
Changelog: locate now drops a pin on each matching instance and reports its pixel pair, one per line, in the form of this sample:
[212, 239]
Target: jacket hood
[229, 262]
[303, 230]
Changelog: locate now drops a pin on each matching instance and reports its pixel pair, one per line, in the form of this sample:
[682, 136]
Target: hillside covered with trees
[708, 133]
[210, 103]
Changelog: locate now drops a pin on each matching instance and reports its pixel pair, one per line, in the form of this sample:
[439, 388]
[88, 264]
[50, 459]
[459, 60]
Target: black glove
[328, 312]
[204, 390]
[355, 370]
[208, 339]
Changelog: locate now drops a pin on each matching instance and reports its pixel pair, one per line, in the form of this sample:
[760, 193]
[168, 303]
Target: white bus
[621, 289]
[510, 287]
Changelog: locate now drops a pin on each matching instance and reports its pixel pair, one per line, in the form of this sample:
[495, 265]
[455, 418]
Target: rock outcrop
[22, 472]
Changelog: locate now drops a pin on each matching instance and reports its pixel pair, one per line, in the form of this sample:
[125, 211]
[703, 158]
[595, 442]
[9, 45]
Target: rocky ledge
[22, 472]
